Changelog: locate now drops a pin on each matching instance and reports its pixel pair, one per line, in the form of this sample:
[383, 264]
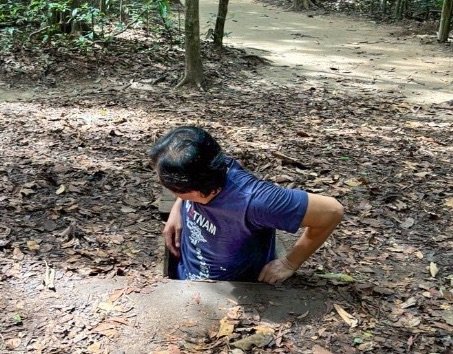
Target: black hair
[189, 159]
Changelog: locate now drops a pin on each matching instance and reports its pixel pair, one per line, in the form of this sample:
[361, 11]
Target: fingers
[178, 237]
[263, 273]
[172, 240]
[275, 272]
[268, 275]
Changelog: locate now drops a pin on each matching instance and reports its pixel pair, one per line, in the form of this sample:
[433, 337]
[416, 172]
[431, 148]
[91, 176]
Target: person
[222, 225]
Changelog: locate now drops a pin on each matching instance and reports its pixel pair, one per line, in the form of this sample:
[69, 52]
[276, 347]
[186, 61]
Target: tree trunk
[102, 6]
[399, 9]
[220, 23]
[383, 6]
[193, 75]
[445, 20]
[299, 5]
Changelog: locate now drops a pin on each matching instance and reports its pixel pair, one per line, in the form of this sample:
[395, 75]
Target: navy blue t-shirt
[233, 236]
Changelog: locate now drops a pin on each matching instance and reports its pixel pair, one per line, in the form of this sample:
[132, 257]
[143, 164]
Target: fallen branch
[289, 160]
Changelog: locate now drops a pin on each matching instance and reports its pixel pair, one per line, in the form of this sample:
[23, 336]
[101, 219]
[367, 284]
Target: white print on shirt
[199, 219]
[204, 269]
[195, 235]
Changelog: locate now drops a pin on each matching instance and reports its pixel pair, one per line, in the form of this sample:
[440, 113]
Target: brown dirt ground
[77, 192]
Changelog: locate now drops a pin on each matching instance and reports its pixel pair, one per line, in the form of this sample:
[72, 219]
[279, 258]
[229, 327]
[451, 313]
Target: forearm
[322, 217]
[310, 240]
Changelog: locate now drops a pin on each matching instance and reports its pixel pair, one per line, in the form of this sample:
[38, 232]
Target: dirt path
[345, 52]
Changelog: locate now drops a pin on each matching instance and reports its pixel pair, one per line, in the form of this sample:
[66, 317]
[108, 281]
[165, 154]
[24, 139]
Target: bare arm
[173, 227]
[322, 216]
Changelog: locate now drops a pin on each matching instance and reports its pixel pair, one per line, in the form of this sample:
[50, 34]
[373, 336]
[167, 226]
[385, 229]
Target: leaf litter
[78, 191]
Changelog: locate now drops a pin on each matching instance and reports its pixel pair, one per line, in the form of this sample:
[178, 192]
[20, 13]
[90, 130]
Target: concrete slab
[176, 309]
[173, 310]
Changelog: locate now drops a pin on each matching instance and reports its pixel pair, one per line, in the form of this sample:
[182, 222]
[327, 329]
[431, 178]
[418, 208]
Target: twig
[128, 25]
[38, 32]
[289, 160]
[49, 279]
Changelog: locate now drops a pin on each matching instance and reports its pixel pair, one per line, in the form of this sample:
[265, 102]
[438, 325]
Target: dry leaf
[449, 202]
[17, 254]
[27, 191]
[106, 306]
[127, 210]
[32, 245]
[300, 317]
[121, 320]
[61, 189]
[234, 313]
[448, 316]
[12, 343]
[94, 348]
[104, 326]
[258, 340]
[116, 295]
[433, 269]
[317, 349]
[226, 327]
[413, 322]
[409, 222]
[263, 329]
[408, 303]
[349, 319]
[353, 182]
[337, 278]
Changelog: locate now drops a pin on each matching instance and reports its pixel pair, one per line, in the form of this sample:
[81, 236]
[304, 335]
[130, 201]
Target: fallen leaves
[406, 224]
[262, 337]
[412, 301]
[353, 182]
[226, 327]
[32, 245]
[107, 329]
[346, 317]
[102, 187]
[49, 277]
[337, 278]
[17, 254]
[61, 189]
[13, 343]
[433, 269]
[317, 349]
[449, 202]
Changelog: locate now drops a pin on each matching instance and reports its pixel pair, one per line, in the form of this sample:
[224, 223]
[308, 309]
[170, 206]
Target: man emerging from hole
[222, 225]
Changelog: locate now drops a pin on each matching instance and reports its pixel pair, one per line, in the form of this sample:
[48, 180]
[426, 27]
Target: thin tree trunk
[383, 6]
[299, 5]
[399, 9]
[220, 23]
[102, 6]
[193, 75]
[445, 20]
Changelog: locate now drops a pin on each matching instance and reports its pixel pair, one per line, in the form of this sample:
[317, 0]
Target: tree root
[191, 83]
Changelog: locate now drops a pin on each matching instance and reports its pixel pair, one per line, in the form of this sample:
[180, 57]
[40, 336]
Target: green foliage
[79, 21]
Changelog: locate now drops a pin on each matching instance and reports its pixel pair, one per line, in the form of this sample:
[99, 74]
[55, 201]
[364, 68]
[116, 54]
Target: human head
[189, 159]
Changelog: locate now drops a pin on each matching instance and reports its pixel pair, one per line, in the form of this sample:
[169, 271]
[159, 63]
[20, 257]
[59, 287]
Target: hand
[172, 229]
[277, 271]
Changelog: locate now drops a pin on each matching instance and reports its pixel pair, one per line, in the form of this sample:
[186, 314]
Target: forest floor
[78, 192]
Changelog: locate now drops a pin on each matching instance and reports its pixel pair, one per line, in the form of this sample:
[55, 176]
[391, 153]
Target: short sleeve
[275, 207]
